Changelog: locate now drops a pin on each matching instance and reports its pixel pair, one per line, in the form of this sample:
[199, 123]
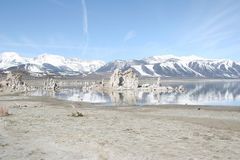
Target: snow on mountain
[54, 60]
[47, 64]
[169, 58]
[86, 66]
[119, 64]
[164, 66]
[73, 64]
[184, 67]
[10, 59]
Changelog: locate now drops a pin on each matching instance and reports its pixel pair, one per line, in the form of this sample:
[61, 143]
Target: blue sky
[121, 29]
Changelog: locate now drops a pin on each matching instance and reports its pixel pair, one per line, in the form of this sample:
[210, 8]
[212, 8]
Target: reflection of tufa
[50, 84]
[159, 82]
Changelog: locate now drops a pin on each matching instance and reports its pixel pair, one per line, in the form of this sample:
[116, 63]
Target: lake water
[197, 93]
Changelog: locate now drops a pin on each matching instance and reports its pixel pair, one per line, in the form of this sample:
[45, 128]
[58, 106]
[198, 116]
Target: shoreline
[44, 128]
[107, 105]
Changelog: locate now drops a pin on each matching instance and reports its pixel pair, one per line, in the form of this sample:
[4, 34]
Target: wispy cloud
[85, 26]
[218, 27]
[42, 46]
[130, 35]
[58, 2]
[26, 42]
[85, 17]
[85, 32]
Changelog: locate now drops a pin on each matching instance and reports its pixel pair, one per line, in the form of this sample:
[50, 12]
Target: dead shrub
[3, 111]
[77, 114]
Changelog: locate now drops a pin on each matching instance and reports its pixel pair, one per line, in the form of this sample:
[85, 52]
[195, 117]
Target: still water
[201, 93]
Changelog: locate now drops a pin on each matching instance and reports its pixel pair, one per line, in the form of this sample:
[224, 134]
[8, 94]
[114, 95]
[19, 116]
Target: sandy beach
[43, 128]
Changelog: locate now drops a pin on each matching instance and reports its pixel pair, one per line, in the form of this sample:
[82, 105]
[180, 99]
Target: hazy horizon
[107, 30]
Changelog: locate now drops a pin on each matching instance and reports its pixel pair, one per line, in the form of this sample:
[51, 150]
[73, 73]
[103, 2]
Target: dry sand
[43, 128]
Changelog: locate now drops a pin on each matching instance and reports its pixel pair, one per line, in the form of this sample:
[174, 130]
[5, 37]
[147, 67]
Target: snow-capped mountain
[119, 64]
[10, 59]
[47, 64]
[184, 67]
[163, 66]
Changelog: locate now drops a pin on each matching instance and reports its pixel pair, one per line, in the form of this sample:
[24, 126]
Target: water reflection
[213, 93]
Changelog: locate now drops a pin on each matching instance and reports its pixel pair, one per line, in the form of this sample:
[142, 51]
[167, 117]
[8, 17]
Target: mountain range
[163, 66]
[47, 64]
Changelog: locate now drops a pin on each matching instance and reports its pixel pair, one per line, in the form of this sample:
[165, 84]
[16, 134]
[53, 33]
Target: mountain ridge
[48, 64]
[182, 67]
[163, 66]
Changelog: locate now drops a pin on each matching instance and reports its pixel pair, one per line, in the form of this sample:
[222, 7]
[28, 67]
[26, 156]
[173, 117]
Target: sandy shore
[43, 128]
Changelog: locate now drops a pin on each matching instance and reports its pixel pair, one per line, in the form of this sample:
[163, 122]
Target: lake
[225, 92]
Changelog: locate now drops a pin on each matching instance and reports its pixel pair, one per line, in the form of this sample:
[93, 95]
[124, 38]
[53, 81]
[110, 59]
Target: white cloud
[130, 35]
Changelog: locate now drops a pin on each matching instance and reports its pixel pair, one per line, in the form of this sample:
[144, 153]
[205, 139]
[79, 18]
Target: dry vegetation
[3, 111]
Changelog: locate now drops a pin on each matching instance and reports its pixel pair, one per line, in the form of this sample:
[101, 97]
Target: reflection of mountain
[214, 91]
[86, 96]
[197, 93]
